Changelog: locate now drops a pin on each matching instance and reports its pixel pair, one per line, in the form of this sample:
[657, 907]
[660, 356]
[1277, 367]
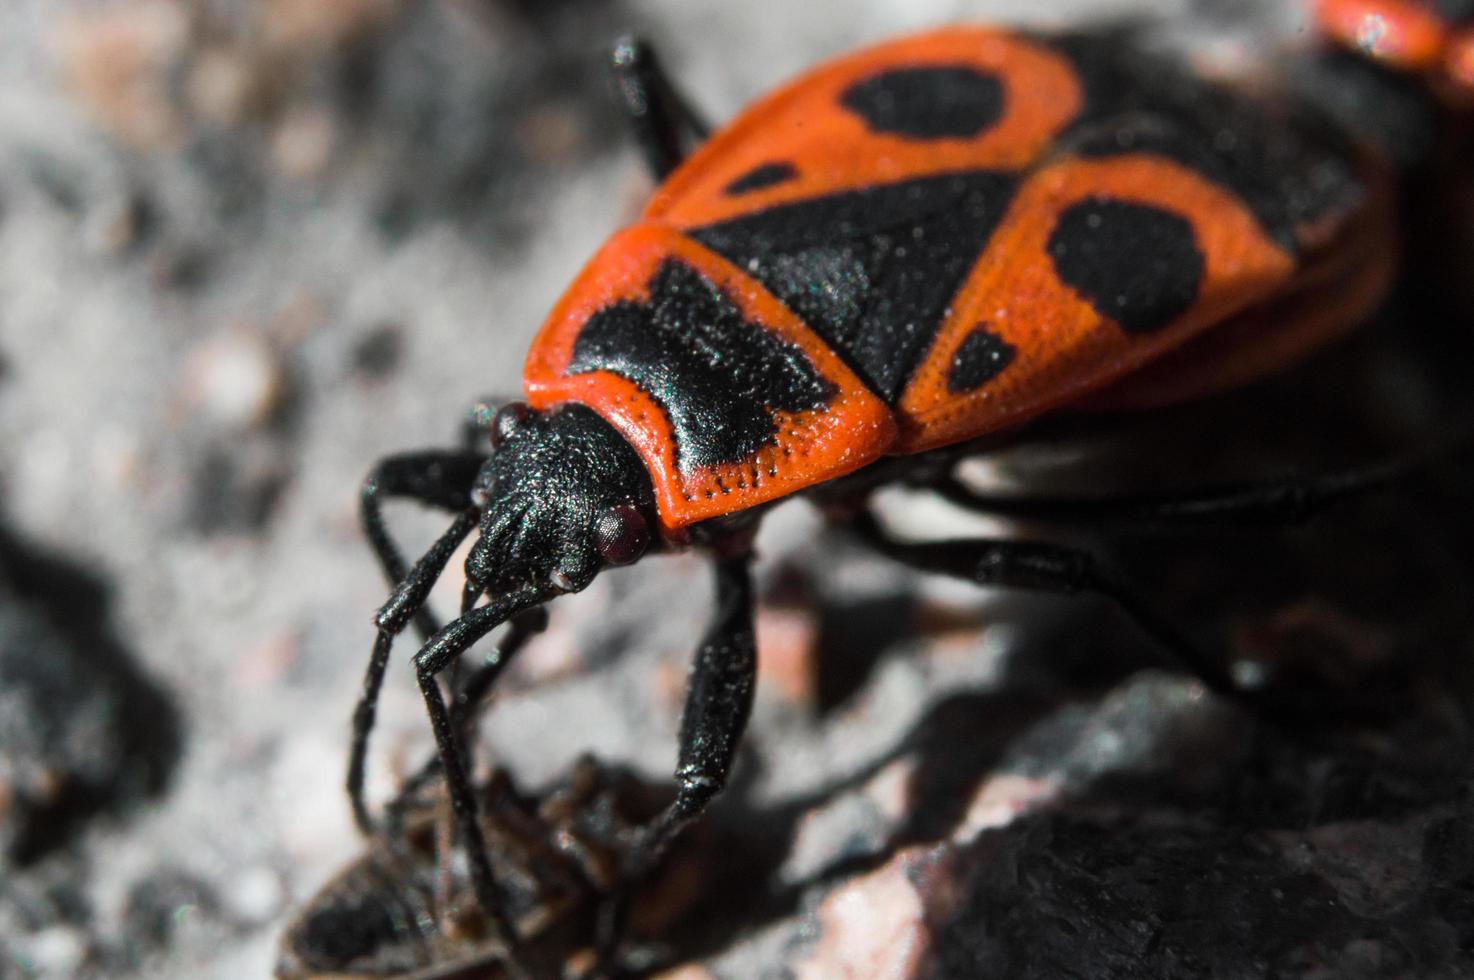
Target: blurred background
[248, 247]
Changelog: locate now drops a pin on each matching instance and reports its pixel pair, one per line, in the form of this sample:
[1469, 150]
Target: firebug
[897, 260]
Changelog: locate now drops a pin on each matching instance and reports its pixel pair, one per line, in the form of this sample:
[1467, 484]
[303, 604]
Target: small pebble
[303, 143]
[323, 23]
[236, 379]
[58, 951]
[256, 895]
[221, 86]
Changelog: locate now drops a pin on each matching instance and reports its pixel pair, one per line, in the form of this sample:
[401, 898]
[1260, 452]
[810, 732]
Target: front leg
[436, 478]
[718, 702]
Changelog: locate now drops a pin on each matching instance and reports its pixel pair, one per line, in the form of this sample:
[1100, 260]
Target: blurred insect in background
[404, 909]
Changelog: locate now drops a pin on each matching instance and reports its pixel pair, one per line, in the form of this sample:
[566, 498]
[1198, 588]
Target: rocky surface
[246, 249]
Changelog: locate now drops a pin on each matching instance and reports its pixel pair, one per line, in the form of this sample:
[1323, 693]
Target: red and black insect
[897, 260]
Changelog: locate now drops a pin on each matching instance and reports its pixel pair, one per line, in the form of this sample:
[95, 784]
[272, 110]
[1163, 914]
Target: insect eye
[506, 421]
[622, 535]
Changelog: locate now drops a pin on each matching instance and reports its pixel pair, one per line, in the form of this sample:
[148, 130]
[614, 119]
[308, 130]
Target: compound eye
[622, 535]
[507, 420]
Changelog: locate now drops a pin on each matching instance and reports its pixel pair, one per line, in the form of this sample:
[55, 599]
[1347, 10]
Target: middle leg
[1042, 567]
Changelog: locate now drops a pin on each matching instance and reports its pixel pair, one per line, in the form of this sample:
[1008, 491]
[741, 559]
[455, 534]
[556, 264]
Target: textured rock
[82, 732]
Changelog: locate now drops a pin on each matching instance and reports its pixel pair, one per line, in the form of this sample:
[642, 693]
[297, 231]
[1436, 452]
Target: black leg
[718, 701]
[443, 649]
[662, 121]
[1042, 567]
[437, 478]
[406, 603]
[1281, 502]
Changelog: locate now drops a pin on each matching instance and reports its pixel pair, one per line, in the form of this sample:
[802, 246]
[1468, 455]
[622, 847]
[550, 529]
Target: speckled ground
[246, 249]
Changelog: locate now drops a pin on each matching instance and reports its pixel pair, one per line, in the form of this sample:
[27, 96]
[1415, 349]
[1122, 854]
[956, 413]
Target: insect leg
[404, 605]
[1276, 502]
[436, 478]
[718, 701]
[1043, 567]
[662, 121]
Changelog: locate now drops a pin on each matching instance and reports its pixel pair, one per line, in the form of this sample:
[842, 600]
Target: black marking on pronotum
[871, 271]
[719, 378]
[1136, 264]
[763, 175]
[982, 357]
[928, 103]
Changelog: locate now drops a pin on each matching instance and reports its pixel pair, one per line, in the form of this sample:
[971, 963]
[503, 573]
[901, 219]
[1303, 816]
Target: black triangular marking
[872, 271]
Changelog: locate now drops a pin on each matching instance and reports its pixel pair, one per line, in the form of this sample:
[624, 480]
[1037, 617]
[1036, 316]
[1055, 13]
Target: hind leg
[1287, 501]
[1041, 567]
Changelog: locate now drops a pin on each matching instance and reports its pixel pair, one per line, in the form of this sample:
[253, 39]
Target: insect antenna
[468, 698]
[408, 599]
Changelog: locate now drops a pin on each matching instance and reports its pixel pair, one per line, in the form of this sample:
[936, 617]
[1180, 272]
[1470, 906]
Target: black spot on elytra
[1286, 159]
[871, 271]
[719, 378]
[1136, 264]
[935, 102]
[764, 175]
[981, 358]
